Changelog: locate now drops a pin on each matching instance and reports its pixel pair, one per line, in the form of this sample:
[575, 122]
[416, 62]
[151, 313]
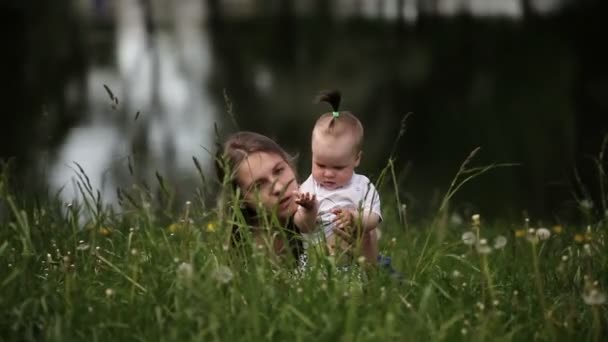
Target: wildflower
[543, 233]
[557, 229]
[500, 242]
[210, 227]
[105, 231]
[456, 219]
[586, 204]
[579, 238]
[482, 247]
[223, 274]
[476, 219]
[532, 237]
[185, 271]
[174, 227]
[594, 297]
[587, 248]
[468, 238]
[520, 233]
[393, 241]
[82, 246]
[109, 292]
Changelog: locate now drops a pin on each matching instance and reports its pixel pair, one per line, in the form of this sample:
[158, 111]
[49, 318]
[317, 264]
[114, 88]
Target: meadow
[155, 270]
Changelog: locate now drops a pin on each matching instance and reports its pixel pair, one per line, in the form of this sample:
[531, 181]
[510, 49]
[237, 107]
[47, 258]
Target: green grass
[160, 271]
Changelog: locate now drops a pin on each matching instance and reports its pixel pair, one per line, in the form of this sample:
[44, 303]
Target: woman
[259, 175]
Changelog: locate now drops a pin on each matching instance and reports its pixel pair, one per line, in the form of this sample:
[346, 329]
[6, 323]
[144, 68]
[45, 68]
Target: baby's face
[333, 161]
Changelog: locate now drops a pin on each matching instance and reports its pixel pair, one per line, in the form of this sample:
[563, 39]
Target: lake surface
[528, 86]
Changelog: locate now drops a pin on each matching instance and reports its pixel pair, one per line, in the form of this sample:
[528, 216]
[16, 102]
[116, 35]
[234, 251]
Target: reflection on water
[161, 74]
[524, 79]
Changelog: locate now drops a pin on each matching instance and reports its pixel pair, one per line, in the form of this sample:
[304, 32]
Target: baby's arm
[305, 217]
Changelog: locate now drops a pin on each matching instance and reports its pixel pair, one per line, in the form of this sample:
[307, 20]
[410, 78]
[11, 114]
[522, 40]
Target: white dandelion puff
[586, 204]
[223, 274]
[185, 271]
[468, 238]
[500, 242]
[109, 292]
[82, 246]
[594, 297]
[543, 233]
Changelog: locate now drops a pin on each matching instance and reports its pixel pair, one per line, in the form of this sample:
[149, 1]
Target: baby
[348, 203]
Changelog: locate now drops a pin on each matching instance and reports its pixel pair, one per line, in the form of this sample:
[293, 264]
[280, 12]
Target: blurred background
[527, 80]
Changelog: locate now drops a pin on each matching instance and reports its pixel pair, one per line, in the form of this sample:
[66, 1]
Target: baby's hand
[306, 200]
[345, 219]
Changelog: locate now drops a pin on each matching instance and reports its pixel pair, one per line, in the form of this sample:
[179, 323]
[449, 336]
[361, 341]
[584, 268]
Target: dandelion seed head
[131, 230]
[90, 309]
[468, 238]
[594, 297]
[587, 248]
[483, 249]
[500, 242]
[361, 259]
[463, 331]
[185, 271]
[10, 265]
[495, 302]
[109, 292]
[586, 204]
[225, 248]
[97, 248]
[66, 259]
[564, 258]
[176, 260]
[223, 274]
[299, 290]
[464, 284]
[483, 241]
[456, 274]
[543, 233]
[188, 203]
[456, 219]
[133, 251]
[324, 286]
[82, 246]
[480, 306]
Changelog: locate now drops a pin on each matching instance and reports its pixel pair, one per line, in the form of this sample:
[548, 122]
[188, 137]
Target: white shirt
[358, 193]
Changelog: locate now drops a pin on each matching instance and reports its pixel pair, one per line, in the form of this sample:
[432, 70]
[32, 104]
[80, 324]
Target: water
[526, 83]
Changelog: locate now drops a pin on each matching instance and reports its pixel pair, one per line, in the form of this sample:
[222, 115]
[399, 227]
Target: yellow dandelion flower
[520, 233]
[105, 231]
[211, 227]
[174, 227]
[579, 238]
[557, 229]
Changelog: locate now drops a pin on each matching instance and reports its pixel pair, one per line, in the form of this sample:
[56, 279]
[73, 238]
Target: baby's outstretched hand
[306, 200]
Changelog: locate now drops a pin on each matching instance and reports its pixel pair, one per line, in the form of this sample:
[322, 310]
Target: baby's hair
[338, 123]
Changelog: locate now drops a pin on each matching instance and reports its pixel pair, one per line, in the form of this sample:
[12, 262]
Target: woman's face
[267, 179]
